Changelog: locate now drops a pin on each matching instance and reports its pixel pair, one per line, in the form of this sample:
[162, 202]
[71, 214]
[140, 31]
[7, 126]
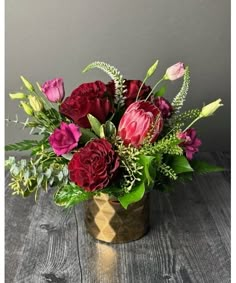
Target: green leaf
[180, 164]
[203, 167]
[67, 156]
[23, 145]
[161, 91]
[70, 195]
[149, 171]
[87, 135]
[95, 124]
[134, 195]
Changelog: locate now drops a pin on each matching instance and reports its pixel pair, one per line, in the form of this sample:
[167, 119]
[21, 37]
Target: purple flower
[164, 106]
[54, 90]
[190, 143]
[65, 138]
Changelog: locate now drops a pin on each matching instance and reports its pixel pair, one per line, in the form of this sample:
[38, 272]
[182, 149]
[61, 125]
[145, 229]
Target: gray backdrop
[47, 39]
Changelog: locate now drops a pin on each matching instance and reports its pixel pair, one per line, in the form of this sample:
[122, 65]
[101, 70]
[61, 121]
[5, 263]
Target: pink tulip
[175, 72]
[54, 90]
[140, 119]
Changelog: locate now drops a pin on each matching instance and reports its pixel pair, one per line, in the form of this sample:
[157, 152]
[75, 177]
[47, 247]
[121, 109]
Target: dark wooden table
[189, 240]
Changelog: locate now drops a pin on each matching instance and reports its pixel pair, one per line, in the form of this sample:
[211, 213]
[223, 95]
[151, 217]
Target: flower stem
[140, 88]
[194, 121]
[162, 79]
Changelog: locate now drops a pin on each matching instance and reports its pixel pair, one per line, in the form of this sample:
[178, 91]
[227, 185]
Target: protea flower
[140, 119]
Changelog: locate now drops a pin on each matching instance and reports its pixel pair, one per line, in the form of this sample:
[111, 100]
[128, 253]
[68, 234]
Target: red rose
[88, 98]
[93, 167]
[132, 87]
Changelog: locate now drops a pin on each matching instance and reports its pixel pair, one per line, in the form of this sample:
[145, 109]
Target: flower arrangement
[120, 138]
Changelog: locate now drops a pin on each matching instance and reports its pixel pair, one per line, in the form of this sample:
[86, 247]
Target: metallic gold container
[106, 220]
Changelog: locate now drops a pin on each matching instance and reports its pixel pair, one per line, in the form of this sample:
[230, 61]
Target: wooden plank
[50, 251]
[17, 221]
[217, 195]
[188, 242]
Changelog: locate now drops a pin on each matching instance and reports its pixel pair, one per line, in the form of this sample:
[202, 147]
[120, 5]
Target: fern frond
[179, 99]
[115, 76]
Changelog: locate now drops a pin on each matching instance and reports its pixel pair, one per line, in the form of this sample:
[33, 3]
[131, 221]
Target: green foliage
[187, 115]
[167, 171]
[38, 172]
[70, 195]
[21, 146]
[134, 195]
[53, 115]
[95, 124]
[42, 145]
[49, 119]
[115, 75]
[87, 135]
[180, 164]
[132, 170]
[202, 167]
[167, 145]
[149, 170]
[179, 99]
[161, 91]
[108, 130]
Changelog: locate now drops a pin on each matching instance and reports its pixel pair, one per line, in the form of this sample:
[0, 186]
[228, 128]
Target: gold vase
[106, 220]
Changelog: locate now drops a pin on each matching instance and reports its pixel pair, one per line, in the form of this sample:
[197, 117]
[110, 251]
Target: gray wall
[46, 39]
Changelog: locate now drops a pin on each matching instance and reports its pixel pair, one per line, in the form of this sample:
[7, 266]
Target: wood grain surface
[189, 239]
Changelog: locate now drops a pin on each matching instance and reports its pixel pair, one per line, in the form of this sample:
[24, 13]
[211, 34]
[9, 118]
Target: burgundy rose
[65, 138]
[93, 167]
[132, 87]
[139, 119]
[88, 98]
[190, 143]
[164, 106]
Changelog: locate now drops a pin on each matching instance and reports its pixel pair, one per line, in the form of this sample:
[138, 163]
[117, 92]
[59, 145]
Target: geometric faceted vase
[106, 220]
